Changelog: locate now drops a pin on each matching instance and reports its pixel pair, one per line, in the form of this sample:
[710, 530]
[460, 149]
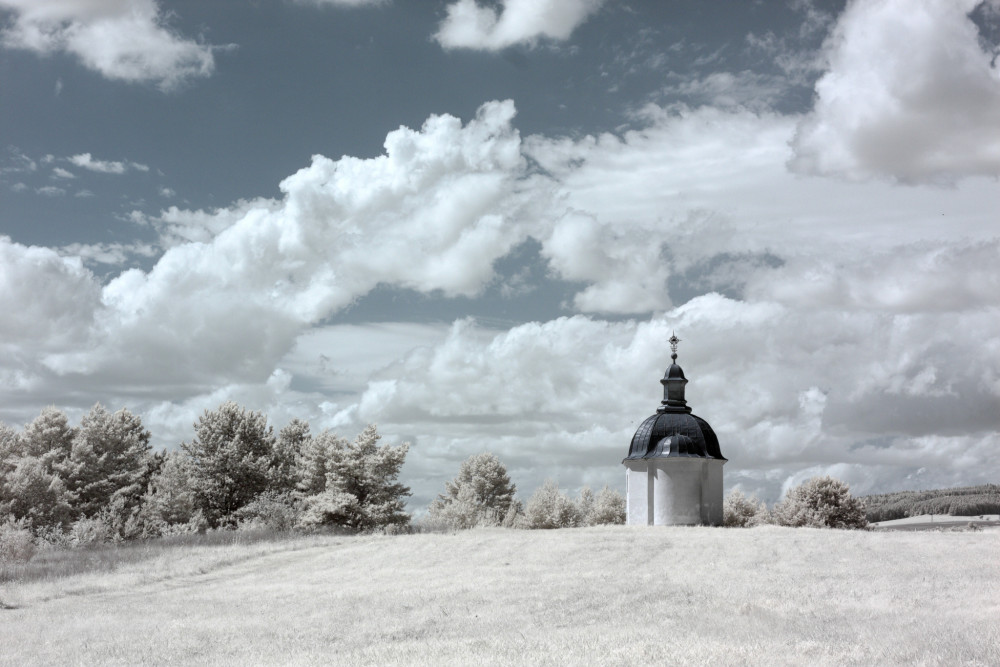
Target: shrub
[88, 532]
[271, 510]
[821, 502]
[549, 507]
[740, 511]
[17, 543]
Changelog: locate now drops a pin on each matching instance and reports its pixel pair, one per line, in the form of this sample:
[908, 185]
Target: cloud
[85, 161]
[911, 95]
[788, 389]
[237, 285]
[48, 301]
[127, 40]
[344, 3]
[106, 253]
[51, 191]
[59, 172]
[856, 332]
[471, 26]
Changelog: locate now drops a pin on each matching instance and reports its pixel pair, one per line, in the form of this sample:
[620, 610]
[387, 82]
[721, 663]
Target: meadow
[606, 595]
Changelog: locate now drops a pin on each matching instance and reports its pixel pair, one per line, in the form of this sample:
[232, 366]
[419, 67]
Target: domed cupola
[673, 432]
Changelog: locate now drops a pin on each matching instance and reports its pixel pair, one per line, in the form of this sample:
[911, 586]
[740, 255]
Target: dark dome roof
[674, 434]
[673, 431]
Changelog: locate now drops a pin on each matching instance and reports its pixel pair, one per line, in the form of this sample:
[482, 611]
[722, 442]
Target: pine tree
[10, 448]
[109, 462]
[231, 458]
[49, 437]
[31, 492]
[313, 463]
[360, 490]
[292, 440]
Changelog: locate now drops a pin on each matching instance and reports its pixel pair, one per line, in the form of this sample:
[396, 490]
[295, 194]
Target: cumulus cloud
[128, 40]
[469, 25]
[59, 172]
[48, 301]
[431, 214]
[911, 94]
[857, 334]
[787, 388]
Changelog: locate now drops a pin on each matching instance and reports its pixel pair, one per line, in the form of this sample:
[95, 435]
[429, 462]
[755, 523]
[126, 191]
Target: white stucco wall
[673, 492]
[711, 492]
[677, 492]
[638, 493]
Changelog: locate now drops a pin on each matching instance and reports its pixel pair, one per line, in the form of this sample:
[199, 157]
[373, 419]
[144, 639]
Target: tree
[740, 511]
[231, 458]
[607, 508]
[481, 494]
[110, 461]
[821, 502]
[292, 440]
[31, 486]
[48, 437]
[31, 492]
[313, 463]
[360, 490]
[170, 497]
[549, 507]
[10, 447]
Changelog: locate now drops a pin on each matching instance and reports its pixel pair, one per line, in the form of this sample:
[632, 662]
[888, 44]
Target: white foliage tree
[32, 493]
[360, 490]
[549, 507]
[741, 511]
[608, 507]
[481, 494]
[31, 484]
[821, 502]
[110, 462]
[170, 498]
[49, 437]
[292, 441]
[231, 460]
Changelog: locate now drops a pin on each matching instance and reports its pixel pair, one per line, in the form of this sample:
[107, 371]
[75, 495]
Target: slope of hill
[961, 501]
[609, 595]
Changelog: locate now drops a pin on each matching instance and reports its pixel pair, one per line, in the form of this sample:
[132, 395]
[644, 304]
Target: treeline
[101, 480]
[961, 501]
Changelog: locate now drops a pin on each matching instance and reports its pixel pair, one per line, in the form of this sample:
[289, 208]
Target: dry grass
[610, 595]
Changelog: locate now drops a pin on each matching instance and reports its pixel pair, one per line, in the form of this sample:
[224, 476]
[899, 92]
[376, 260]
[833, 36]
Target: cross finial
[673, 345]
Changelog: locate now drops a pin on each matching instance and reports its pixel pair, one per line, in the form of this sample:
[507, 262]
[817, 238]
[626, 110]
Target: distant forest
[962, 501]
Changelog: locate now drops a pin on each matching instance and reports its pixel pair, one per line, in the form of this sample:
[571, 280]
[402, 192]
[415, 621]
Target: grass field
[610, 595]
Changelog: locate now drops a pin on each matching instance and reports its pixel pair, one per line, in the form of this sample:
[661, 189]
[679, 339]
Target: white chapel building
[674, 465]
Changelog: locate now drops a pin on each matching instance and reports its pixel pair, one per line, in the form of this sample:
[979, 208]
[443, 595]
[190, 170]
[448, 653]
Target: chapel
[674, 465]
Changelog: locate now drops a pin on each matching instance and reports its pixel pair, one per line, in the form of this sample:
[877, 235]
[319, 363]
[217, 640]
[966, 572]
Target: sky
[476, 224]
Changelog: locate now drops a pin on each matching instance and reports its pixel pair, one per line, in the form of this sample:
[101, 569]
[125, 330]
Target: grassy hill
[962, 501]
[609, 595]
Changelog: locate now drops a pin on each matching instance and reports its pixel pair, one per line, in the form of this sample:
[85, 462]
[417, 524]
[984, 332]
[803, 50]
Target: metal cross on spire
[674, 340]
